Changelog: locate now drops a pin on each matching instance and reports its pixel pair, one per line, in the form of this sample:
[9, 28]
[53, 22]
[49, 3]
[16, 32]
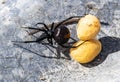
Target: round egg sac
[88, 27]
[86, 52]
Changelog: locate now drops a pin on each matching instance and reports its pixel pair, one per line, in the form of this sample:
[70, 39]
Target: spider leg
[52, 26]
[24, 41]
[34, 28]
[58, 52]
[67, 20]
[38, 40]
[67, 46]
[45, 26]
[74, 40]
[104, 23]
[50, 41]
[44, 43]
[70, 46]
[28, 41]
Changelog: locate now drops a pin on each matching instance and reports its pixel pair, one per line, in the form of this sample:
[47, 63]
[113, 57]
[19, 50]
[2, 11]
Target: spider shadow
[109, 45]
[49, 57]
[18, 45]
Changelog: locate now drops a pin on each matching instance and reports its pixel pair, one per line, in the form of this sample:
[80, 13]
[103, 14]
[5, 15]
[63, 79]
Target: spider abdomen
[61, 35]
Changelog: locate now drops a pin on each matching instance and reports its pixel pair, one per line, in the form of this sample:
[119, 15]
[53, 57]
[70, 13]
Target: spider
[59, 33]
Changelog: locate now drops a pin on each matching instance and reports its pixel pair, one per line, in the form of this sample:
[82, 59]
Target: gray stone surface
[22, 63]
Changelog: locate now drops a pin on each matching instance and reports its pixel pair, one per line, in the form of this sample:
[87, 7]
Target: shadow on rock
[109, 45]
[18, 45]
[50, 57]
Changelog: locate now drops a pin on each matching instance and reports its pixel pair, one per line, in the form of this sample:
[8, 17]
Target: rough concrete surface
[22, 63]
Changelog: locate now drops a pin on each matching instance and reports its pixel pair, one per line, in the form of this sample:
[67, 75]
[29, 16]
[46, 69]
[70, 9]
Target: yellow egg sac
[88, 27]
[86, 52]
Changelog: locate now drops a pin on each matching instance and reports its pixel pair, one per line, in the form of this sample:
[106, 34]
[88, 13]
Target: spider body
[61, 35]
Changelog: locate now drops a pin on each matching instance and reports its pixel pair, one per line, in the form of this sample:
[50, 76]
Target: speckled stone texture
[22, 63]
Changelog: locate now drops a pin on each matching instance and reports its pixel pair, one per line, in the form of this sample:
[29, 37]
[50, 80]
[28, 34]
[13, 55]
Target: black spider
[59, 33]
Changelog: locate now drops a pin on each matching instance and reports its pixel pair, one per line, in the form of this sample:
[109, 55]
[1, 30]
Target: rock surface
[22, 63]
